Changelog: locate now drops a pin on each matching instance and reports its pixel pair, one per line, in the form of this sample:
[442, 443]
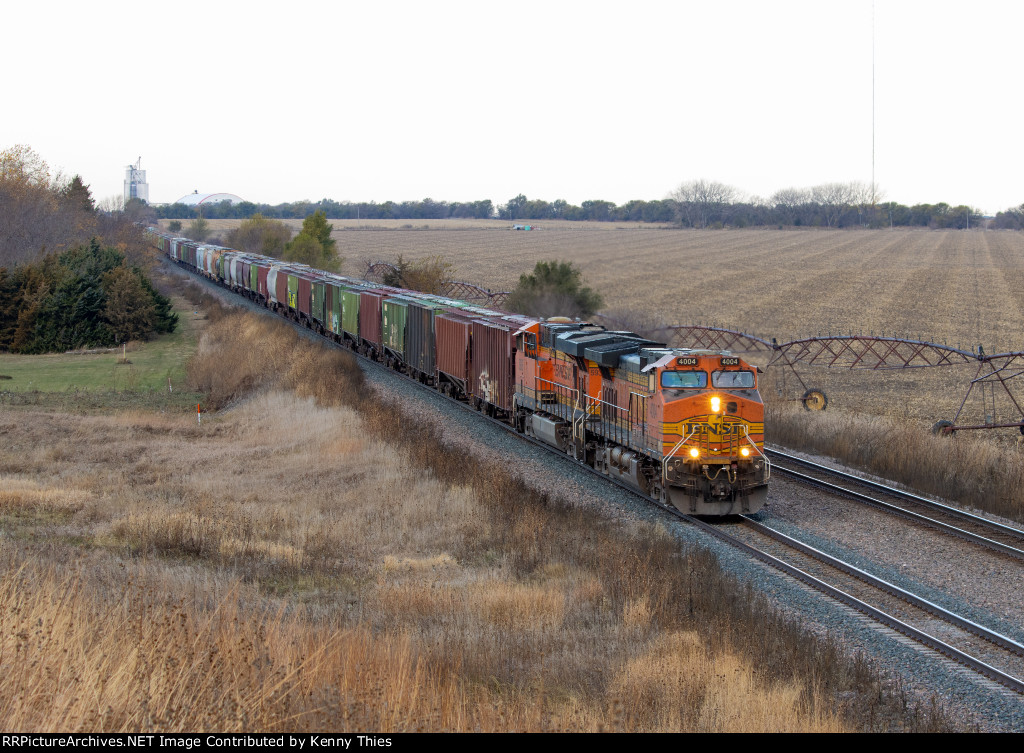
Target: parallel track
[986, 533]
[995, 655]
[1006, 645]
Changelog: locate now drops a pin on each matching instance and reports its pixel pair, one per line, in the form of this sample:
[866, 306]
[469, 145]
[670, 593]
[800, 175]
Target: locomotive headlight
[694, 452]
[745, 452]
[716, 403]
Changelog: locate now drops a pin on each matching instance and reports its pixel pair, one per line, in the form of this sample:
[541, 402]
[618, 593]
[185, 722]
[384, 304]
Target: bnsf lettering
[563, 371]
[699, 427]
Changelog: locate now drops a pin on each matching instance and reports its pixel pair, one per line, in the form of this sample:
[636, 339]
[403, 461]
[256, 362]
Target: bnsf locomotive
[685, 427]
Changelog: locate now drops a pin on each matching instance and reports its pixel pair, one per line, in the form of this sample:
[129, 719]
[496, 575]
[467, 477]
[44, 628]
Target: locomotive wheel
[815, 399]
[945, 428]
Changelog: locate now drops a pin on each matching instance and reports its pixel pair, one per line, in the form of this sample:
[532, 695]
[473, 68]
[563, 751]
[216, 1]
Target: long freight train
[685, 427]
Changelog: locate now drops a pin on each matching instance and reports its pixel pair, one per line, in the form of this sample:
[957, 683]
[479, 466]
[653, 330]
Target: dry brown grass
[967, 467]
[300, 559]
[477, 624]
[122, 651]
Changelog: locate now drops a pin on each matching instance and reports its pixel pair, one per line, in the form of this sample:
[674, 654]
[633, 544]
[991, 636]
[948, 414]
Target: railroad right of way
[926, 675]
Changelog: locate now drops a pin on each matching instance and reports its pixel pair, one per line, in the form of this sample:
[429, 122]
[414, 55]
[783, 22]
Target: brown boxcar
[370, 318]
[299, 297]
[492, 365]
[452, 336]
[262, 283]
[279, 294]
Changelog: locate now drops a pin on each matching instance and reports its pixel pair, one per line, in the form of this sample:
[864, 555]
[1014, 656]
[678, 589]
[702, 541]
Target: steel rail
[981, 631]
[965, 535]
[973, 663]
[901, 493]
[951, 652]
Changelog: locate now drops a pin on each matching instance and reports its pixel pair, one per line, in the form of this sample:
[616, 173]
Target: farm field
[950, 287]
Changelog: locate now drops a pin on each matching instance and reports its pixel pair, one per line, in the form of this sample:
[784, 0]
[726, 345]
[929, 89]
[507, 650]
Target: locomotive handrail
[671, 454]
[759, 451]
[583, 415]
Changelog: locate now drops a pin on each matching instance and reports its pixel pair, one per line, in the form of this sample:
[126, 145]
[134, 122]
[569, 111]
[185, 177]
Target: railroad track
[975, 529]
[964, 641]
[980, 650]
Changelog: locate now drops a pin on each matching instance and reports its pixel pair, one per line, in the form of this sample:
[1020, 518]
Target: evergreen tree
[129, 310]
[314, 245]
[77, 196]
[166, 320]
[554, 289]
[87, 296]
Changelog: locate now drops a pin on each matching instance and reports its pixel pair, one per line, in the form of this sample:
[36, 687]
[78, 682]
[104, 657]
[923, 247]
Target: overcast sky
[460, 101]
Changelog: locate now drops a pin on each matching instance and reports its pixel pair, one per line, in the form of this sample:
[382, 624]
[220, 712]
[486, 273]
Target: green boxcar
[293, 292]
[395, 312]
[334, 306]
[350, 312]
[319, 303]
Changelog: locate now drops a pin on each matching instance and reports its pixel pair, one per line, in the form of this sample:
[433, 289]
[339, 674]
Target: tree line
[427, 209]
[696, 204]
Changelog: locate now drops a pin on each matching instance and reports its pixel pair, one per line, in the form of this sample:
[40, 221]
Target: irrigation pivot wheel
[942, 428]
[815, 399]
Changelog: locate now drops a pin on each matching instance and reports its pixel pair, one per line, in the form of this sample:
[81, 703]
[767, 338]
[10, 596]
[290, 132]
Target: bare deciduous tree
[260, 235]
[33, 217]
[834, 199]
[698, 201]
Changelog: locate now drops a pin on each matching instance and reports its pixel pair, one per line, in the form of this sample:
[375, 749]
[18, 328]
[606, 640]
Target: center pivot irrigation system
[992, 380]
[463, 291]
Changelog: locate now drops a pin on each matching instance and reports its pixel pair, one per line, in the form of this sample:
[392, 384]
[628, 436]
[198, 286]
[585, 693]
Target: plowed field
[951, 287]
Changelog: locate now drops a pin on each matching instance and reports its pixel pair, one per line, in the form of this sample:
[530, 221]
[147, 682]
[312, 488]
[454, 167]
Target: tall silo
[135, 185]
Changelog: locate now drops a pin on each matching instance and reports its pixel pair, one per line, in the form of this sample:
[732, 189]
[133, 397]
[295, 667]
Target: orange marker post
[199, 413]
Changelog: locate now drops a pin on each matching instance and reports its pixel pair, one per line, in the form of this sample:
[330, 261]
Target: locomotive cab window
[677, 380]
[734, 380]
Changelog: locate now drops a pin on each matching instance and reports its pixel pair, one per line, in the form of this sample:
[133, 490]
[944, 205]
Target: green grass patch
[150, 364]
[27, 521]
[102, 401]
